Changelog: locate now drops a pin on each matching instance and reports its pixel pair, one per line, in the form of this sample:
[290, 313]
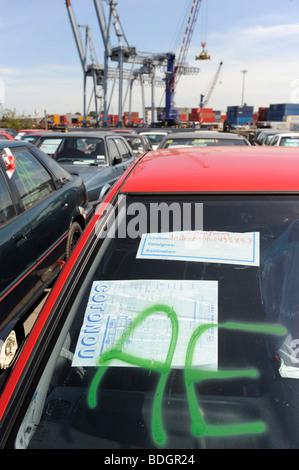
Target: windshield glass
[183, 333]
[156, 138]
[201, 142]
[75, 149]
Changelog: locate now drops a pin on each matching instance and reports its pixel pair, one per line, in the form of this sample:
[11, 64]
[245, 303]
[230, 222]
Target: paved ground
[35, 312]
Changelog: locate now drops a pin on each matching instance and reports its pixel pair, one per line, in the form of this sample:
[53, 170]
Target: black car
[43, 211]
[99, 157]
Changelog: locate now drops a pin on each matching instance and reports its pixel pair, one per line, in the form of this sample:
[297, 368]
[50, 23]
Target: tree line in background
[11, 120]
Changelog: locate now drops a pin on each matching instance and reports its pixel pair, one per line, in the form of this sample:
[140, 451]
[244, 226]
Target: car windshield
[182, 333]
[156, 138]
[78, 150]
[201, 142]
[135, 142]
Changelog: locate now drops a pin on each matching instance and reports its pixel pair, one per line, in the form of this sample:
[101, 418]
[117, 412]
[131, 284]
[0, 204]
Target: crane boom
[76, 34]
[175, 70]
[204, 103]
[186, 41]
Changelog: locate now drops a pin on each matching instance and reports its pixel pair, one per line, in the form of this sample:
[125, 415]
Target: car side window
[113, 151]
[32, 180]
[136, 143]
[7, 210]
[61, 175]
[124, 149]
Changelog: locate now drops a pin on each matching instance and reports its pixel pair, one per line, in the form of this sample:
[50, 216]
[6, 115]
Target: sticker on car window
[50, 146]
[202, 246]
[145, 319]
[205, 141]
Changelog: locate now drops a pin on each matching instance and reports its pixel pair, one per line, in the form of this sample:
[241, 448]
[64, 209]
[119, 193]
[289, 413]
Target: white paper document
[114, 306]
[201, 246]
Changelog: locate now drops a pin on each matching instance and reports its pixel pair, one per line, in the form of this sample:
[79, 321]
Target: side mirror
[117, 160]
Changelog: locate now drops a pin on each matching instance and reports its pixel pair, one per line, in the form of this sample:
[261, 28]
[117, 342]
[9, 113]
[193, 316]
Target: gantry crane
[125, 53]
[175, 70]
[94, 70]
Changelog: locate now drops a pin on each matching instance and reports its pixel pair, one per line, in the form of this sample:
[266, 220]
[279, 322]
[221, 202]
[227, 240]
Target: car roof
[289, 134]
[271, 131]
[80, 134]
[156, 132]
[126, 134]
[33, 130]
[205, 134]
[14, 143]
[215, 169]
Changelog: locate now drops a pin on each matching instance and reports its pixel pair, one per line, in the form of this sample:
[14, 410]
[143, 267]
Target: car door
[115, 160]
[47, 210]
[125, 158]
[17, 257]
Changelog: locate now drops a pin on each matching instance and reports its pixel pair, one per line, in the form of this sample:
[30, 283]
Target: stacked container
[239, 114]
[202, 115]
[279, 112]
[134, 117]
[263, 114]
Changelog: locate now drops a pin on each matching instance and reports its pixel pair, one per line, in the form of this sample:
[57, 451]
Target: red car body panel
[7, 136]
[227, 169]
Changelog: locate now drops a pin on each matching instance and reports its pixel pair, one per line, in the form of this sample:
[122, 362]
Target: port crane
[101, 73]
[93, 69]
[204, 102]
[125, 53]
[175, 70]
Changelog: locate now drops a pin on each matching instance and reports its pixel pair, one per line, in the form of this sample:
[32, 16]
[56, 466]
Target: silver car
[202, 139]
[100, 158]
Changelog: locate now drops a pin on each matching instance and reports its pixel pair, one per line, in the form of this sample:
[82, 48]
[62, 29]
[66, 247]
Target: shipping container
[239, 114]
[291, 118]
[285, 107]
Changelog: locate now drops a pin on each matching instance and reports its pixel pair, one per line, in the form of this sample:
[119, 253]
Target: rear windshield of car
[74, 149]
[183, 333]
[202, 142]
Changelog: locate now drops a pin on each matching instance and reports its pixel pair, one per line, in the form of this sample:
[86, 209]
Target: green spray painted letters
[199, 427]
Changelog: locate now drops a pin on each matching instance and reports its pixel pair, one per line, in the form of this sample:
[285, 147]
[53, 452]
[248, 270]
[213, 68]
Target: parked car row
[202, 139]
[100, 157]
[276, 137]
[173, 324]
[43, 211]
[172, 319]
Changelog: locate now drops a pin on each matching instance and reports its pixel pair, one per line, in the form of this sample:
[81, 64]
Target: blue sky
[40, 68]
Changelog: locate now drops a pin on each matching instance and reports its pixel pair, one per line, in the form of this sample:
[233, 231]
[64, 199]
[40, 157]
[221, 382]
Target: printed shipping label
[202, 246]
[113, 306]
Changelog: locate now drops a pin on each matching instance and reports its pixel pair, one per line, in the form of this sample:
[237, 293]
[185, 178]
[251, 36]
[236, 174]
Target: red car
[174, 324]
[23, 132]
[5, 136]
